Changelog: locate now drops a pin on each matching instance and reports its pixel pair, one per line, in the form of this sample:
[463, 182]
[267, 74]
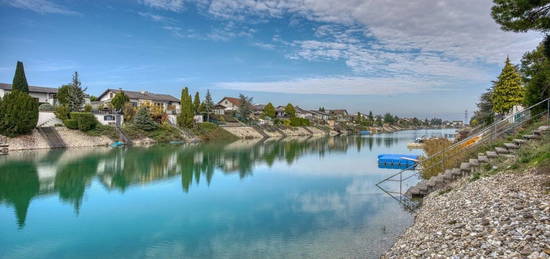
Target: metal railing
[447, 158]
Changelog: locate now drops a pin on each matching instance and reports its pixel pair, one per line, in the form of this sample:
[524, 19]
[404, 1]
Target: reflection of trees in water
[18, 186]
[120, 169]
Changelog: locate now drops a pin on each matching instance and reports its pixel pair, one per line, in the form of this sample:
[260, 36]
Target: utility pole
[466, 117]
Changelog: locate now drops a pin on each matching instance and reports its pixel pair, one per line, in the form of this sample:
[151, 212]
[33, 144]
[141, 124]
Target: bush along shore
[500, 211]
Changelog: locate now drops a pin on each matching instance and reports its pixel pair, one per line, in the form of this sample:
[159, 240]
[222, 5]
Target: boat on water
[364, 132]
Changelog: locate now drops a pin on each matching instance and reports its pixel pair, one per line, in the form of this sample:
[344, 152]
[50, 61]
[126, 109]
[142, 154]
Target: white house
[230, 103]
[167, 102]
[42, 94]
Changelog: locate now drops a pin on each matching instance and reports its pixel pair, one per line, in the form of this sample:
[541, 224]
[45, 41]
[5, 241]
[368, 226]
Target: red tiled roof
[234, 101]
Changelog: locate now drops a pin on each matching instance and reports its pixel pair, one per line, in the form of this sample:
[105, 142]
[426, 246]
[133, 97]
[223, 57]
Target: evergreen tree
[535, 69]
[75, 94]
[208, 104]
[19, 79]
[144, 121]
[290, 111]
[245, 107]
[371, 117]
[507, 90]
[185, 118]
[484, 114]
[18, 113]
[197, 103]
[522, 15]
[269, 111]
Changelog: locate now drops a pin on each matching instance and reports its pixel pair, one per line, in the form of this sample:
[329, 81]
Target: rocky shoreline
[506, 215]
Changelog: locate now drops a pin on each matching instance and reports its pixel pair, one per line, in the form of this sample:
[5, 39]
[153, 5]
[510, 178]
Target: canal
[291, 198]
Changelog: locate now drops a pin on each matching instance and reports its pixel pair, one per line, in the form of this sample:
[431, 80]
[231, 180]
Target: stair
[510, 146]
[122, 136]
[491, 154]
[519, 141]
[501, 150]
[483, 159]
[532, 137]
[52, 137]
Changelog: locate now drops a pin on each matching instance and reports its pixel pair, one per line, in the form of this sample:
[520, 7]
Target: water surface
[292, 198]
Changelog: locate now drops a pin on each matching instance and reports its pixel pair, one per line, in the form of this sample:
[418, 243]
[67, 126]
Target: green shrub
[86, 121]
[62, 112]
[212, 132]
[71, 123]
[88, 108]
[18, 114]
[46, 107]
[299, 122]
[144, 121]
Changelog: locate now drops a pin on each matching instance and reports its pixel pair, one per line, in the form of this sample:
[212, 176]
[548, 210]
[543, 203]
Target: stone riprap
[502, 216]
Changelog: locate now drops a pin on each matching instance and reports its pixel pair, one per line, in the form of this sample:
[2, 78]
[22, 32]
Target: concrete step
[501, 150]
[456, 172]
[508, 155]
[511, 146]
[483, 159]
[532, 137]
[448, 175]
[538, 132]
[544, 128]
[473, 162]
[415, 192]
[491, 154]
[432, 183]
[519, 141]
[465, 167]
[422, 186]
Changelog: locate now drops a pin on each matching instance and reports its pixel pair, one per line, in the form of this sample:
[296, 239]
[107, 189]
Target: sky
[423, 58]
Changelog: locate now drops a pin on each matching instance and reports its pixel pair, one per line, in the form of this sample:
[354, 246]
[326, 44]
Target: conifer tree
[208, 104]
[507, 90]
[185, 118]
[197, 103]
[19, 79]
[75, 94]
[144, 121]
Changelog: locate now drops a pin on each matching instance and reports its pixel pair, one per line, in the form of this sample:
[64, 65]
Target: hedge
[71, 123]
[85, 120]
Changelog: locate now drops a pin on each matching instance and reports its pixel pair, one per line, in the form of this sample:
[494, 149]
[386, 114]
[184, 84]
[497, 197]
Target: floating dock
[397, 160]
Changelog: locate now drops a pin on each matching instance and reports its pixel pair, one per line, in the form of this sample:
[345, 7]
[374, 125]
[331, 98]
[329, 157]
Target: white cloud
[339, 85]
[156, 17]
[170, 5]
[263, 45]
[40, 6]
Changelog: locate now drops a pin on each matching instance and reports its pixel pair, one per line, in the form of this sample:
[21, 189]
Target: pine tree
[76, 94]
[144, 121]
[208, 104]
[19, 79]
[197, 103]
[245, 107]
[507, 90]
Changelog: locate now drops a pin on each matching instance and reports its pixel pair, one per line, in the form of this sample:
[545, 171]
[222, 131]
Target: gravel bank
[503, 216]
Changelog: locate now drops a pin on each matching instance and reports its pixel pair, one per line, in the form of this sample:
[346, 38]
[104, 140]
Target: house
[339, 115]
[230, 103]
[168, 103]
[319, 115]
[304, 114]
[219, 109]
[40, 93]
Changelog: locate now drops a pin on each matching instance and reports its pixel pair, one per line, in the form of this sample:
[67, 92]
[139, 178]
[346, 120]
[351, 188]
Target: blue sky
[420, 58]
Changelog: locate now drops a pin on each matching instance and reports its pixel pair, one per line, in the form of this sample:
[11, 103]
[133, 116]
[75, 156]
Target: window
[108, 118]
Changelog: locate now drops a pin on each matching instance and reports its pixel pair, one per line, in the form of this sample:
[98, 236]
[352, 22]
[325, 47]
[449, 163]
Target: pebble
[502, 216]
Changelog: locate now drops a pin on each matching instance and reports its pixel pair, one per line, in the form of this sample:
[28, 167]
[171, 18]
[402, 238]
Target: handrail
[490, 132]
[485, 129]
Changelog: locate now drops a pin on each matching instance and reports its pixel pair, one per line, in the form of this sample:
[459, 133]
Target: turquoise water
[293, 198]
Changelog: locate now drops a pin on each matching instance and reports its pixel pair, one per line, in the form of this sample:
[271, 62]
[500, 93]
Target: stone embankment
[71, 138]
[245, 132]
[506, 215]
[502, 216]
